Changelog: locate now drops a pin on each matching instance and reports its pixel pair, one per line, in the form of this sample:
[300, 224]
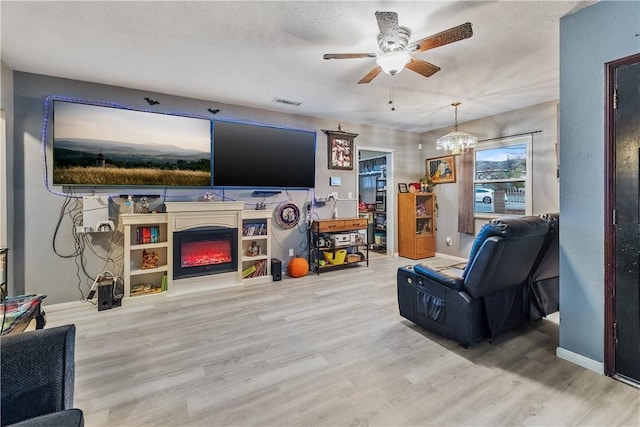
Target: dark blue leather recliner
[490, 296]
[544, 283]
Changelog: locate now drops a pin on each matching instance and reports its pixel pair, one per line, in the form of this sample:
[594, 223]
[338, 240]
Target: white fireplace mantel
[172, 207]
[186, 215]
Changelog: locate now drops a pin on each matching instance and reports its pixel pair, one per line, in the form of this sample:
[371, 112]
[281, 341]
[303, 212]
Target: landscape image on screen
[104, 146]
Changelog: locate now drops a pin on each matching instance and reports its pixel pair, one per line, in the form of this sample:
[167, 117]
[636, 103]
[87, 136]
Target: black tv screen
[257, 156]
[96, 145]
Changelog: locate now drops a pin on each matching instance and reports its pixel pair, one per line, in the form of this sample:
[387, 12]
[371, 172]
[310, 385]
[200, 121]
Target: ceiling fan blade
[387, 22]
[371, 75]
[422, 67]
[349, 55]
[451, 35]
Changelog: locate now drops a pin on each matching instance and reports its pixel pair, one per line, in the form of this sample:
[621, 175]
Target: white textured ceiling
[248, 53]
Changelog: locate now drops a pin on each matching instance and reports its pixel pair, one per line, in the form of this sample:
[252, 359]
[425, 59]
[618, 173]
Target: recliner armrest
[67, 418]
[446, 277]
[37, 373]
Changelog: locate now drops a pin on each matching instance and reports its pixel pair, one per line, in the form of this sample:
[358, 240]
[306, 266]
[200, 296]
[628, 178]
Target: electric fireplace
[202, 251]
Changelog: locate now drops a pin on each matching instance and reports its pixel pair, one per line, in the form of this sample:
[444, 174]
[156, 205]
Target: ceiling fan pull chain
[391, 96]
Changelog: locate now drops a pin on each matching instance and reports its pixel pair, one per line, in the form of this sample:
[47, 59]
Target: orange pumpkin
[298, 267]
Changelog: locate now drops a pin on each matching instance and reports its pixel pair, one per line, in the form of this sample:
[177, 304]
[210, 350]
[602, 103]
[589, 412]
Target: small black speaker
[105, 296]
[276, 269]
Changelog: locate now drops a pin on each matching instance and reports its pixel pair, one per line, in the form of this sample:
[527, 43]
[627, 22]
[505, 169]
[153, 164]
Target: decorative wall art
[441, 169]
[341, 152]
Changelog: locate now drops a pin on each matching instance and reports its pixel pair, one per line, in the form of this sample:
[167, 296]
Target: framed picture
[340, 150]
[442, 169]
[402, 187]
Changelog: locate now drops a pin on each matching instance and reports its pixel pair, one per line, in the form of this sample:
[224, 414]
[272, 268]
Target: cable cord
[4, 307]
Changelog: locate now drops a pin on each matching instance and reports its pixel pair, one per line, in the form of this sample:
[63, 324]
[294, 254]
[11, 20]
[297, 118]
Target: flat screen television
[265, 157]
[96, 145]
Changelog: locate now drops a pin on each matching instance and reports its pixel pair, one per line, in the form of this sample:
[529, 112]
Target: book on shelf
[247, 271]
[148, 234]
[254, 229]
[259, 268]
[144, 289]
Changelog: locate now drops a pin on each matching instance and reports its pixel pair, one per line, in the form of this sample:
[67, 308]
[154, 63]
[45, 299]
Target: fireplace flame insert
[203, 251]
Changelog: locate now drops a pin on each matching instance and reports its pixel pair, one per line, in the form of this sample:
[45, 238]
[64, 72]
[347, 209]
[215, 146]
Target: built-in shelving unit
[380, 215]
[256, 245]
[145, 254]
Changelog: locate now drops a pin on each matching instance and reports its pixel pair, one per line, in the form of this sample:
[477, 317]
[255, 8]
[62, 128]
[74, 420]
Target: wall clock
[287, 215]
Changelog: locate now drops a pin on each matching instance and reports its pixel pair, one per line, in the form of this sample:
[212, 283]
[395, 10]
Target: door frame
[609, 206]
[391, 205]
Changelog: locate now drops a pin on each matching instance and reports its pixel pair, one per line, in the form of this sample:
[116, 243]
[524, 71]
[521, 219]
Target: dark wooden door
[626, 126]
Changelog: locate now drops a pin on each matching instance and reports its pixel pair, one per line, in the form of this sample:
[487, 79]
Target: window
[501, 180]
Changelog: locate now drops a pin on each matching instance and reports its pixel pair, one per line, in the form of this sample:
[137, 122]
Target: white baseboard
[62, 305]
[580, 360]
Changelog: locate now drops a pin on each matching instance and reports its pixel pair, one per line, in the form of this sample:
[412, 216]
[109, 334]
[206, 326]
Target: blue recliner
[37, 374]
[544, 283]
[491, 295]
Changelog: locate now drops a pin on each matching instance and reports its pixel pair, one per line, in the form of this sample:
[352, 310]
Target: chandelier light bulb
[456, 142]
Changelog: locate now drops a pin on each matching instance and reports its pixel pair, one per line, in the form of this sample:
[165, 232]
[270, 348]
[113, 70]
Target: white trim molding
[4, 240]
[580, 360]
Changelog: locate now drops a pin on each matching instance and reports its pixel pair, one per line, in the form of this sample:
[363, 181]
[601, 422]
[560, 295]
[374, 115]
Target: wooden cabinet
[416, 225]
[145, 254]
[337, 243]
[256, 245]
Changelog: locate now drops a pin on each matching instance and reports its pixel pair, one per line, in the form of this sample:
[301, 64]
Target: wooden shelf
[148, 246]
[139, 271]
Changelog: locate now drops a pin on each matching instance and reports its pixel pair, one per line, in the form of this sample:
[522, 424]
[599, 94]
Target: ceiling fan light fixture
[393, 62]
[456, 142]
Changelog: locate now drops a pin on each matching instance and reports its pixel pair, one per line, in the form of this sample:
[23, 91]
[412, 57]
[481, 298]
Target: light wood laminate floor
[328, 350]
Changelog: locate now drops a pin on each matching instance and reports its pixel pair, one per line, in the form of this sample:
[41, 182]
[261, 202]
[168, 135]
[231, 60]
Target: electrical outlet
[333, 195]
[291, 252]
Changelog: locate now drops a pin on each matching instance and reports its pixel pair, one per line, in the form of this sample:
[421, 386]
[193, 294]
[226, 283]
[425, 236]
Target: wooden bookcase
[416, 225]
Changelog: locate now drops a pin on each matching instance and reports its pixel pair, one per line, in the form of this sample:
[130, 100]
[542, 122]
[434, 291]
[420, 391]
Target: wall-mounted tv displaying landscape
[260, 156]
[95, 145]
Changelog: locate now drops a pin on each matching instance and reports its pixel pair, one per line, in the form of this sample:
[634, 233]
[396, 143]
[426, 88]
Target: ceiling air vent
[286, 101]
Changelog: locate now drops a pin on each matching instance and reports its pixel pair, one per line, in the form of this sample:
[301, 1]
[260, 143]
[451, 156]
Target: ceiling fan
[397, 52]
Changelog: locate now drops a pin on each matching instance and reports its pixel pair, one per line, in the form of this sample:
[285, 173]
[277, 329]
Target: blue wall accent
[589, 38]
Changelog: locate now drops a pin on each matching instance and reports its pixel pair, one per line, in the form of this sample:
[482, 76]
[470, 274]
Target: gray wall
[588, 39]
[37, 209]
[545, 186]
[6, 103]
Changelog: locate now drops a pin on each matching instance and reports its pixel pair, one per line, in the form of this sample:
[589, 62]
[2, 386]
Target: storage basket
[353, 258]
[338, 258]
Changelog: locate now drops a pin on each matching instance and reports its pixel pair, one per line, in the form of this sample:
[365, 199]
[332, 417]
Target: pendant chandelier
[456, 142]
